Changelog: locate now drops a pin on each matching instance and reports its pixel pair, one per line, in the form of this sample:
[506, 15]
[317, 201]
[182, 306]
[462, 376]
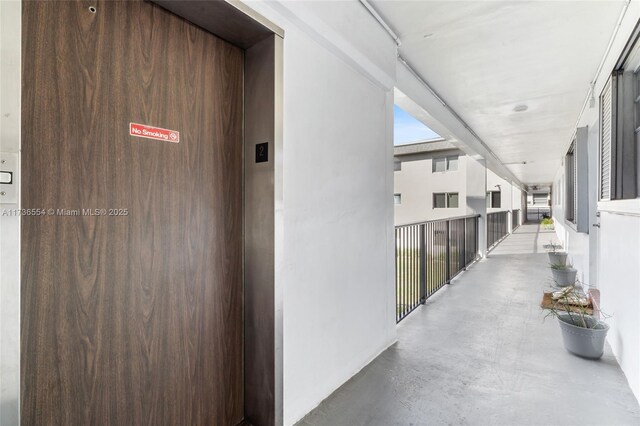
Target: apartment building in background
[434, 179]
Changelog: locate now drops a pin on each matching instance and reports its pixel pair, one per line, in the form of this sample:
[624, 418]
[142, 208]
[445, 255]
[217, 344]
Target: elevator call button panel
[8, 178]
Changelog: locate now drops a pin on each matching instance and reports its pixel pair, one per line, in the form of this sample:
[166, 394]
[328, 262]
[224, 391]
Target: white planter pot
[584, 342]
[557, 258]
[564, 277]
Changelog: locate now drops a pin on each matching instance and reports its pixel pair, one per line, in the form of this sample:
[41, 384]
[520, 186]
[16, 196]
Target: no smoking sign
[151, 132]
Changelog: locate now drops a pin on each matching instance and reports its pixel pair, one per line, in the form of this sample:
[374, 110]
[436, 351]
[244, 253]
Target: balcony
[480, 352]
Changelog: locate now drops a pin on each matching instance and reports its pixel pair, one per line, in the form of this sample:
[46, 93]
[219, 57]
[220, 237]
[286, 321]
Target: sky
[407, 129]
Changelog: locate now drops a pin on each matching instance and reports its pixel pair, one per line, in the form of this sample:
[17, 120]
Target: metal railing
[428, 255]
[496, 227]
[536, 214]
[515, 219]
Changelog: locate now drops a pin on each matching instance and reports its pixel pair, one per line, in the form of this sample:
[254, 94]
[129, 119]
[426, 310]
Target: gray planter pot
[584, 342]
[564, 277]
[558, 258]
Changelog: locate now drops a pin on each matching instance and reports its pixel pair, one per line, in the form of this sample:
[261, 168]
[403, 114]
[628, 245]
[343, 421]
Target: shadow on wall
[9, 410]
[477, 204]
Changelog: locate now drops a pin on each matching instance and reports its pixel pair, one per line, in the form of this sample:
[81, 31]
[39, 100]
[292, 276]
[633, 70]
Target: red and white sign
[157, 133]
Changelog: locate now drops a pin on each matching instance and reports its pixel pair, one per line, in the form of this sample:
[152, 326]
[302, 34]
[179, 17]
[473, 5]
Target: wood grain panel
[137, 319]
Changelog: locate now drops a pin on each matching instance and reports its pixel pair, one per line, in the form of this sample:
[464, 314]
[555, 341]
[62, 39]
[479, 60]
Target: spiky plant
[574, 302]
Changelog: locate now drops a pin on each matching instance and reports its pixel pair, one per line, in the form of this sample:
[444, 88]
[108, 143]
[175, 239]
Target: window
[445, 164]
[570, 178]
[576, 185]
[493, 199]
[445, 200]
[605, 142]
[452, 200]
[619, 123]
[397, 198]
[452, 163]
[540, 199]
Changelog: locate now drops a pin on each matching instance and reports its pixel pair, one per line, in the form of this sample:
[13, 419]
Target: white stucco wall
[620, 289]
[608, 257]
[505, 191]
[576, 243]
[417, 183]
[477, 197]
[337, 263]
[339, 300]
[516, 201]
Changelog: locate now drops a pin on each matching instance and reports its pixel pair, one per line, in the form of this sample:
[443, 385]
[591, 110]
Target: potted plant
[556, 257]
[582, 334]
[547, 223]
[563, 274]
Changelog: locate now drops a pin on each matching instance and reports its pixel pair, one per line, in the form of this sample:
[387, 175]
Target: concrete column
[477, 198]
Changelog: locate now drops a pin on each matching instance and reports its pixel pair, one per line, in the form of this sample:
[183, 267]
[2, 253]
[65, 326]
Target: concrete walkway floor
[480, 353]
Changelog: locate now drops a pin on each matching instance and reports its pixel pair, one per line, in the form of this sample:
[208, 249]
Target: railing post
[423, 263]
[448, 257]
[476, 238]
[464, 244]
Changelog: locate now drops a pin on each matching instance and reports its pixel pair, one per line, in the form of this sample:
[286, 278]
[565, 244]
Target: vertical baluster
[407, 272]
[406, 268]
[413, 269]
[404, 284]
[443, 250]
[398, 269]
[436, 257]
[402, 272]
[423, 264]
[399, 276]
[402, 264]
[416, 282]
[395, 242]
[452, 249]
[459, 244]
[430, 259]
[410, 269]
[442, 255]
[416, 294]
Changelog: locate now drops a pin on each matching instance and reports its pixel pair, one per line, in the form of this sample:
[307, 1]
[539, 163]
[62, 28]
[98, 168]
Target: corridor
[481, 353]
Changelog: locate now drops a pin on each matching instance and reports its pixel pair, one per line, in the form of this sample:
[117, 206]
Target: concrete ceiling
[486, 57]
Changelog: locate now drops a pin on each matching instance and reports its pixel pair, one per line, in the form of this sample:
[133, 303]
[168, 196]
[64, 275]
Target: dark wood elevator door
[130, 319]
